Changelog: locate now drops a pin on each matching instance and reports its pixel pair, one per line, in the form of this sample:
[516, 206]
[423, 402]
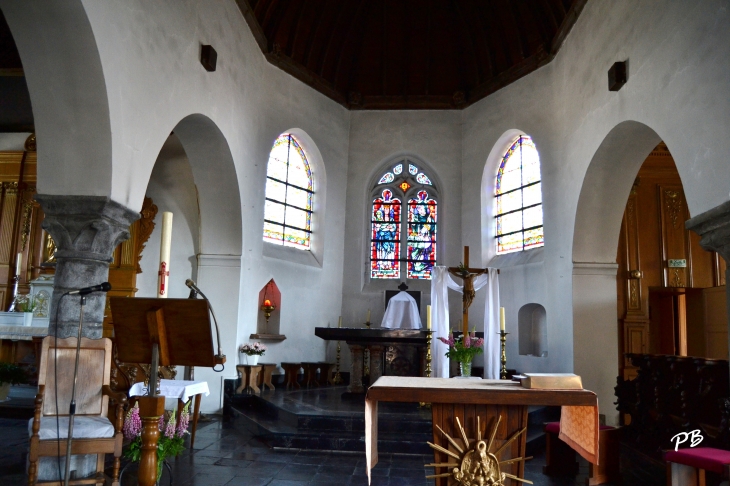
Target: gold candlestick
[428, 364]
[503, 357]
[337, 378]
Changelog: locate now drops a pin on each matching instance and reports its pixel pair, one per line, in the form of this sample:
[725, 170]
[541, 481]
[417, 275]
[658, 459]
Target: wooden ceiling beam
[294, 40]
[331, 44]
[316, 33]
[476, 56]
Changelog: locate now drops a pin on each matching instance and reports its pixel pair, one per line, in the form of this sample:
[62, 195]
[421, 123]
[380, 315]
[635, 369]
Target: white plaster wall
[376, 137]
[149, 53]
[678, 80]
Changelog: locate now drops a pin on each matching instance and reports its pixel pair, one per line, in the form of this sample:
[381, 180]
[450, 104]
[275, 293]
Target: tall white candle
[163, 274]
[428, 317]
[501, 318]
[18, 263]
[368, 319]
[339, 323]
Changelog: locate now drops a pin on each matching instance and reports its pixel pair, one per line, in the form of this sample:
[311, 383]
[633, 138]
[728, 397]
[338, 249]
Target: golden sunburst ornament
[477, 465]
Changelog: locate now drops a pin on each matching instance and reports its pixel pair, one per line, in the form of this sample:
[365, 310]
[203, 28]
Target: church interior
[346, 241]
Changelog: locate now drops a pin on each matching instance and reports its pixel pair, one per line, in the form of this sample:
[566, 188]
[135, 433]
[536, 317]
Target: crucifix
[467, 275]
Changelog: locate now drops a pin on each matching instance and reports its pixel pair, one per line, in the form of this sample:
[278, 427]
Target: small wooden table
[291, 371]
[249, 377]
[267, 369]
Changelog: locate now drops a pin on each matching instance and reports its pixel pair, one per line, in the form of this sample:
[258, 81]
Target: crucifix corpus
[467, 274]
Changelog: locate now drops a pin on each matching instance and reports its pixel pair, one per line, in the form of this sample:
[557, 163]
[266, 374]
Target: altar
[395, 352]
[489, 415]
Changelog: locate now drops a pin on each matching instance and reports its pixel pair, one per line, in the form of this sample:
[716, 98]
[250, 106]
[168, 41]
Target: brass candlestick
[429, 333]
[338, 378]
[503, 357]
[268, 307]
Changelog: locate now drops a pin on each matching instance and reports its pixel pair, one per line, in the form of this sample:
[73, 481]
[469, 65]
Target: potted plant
[172, 436]
[27, 304]
[10, 374]
[250, 352]
[463, 349]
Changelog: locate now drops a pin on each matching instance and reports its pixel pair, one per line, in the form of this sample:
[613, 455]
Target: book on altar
[552, 381]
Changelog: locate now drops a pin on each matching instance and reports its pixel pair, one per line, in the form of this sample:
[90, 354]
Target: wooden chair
[93, 432]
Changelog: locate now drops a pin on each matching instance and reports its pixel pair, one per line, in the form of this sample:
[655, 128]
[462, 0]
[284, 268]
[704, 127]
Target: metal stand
[72, 406]
[503, 357]
[16, 280]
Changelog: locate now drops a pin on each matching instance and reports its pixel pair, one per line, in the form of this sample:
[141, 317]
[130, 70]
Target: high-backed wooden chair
[93, 432]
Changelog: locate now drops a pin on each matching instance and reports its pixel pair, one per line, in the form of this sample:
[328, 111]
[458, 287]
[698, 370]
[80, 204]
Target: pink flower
[132, 423]
[467, 341]
[170, 428]
[182, 427]
[477, 343]
[161, 423]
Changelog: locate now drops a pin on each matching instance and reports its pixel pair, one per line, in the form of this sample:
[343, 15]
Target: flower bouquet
[172, 435]
[463, 349]
[251, 352]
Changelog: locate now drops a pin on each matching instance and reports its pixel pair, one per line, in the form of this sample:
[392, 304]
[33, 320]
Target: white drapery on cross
[441, 281]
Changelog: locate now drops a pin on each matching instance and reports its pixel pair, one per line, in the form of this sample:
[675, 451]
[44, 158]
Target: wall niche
[269, 301]
[532, 330]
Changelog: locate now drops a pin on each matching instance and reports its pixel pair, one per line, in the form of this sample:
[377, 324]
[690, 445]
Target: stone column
[713, 226]
[376, 362]
[86, 230]
[356, 352]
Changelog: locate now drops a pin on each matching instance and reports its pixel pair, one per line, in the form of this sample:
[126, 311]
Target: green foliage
[12, 373]
[26, 303]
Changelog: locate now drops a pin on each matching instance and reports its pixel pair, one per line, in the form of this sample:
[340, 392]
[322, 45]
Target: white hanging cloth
[402, 313]
[441, 281]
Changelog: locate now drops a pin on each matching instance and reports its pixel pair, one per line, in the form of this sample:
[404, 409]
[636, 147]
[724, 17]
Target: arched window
[519, 198]
[404, 188]
[289, 193]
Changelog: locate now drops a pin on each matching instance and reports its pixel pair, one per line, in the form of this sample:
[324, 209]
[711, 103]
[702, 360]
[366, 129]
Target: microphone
[103, 287]
[194, 288]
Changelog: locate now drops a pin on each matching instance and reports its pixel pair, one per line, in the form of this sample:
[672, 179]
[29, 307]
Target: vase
[27, 319]
[251, 359]
[465, 368]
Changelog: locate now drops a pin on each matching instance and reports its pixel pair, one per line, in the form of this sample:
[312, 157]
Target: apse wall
[377, 137]
[677, 79]
[149, 54]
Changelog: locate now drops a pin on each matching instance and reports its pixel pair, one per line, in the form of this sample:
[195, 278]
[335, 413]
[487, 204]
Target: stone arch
[600, 208]
[68, 93]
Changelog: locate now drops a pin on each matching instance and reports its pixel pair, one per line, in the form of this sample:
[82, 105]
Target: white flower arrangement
[252, 349]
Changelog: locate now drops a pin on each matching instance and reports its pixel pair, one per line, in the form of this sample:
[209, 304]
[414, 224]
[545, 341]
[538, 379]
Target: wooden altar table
[468, 399]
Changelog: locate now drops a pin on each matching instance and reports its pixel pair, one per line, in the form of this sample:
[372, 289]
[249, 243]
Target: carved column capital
[713, 226]
[86, 230]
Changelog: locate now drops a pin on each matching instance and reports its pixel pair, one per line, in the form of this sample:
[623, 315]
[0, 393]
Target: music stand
[167, 332]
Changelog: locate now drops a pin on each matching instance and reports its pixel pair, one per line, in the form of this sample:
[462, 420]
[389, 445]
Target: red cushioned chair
[687, 467]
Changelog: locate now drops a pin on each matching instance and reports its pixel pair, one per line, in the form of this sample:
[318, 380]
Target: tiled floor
[226, 456]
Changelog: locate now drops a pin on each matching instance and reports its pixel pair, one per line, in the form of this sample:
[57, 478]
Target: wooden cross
[467, 274]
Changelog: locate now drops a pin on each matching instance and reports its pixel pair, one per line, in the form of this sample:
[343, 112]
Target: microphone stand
[72, 406]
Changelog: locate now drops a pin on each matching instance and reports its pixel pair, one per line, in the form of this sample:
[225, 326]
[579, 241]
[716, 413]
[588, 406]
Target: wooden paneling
[652, 233]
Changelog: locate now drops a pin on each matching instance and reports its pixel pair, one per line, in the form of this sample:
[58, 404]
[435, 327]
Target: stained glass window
[385, 245]
[289, 193]
[404, 193]
[421, 236]
[519, 198]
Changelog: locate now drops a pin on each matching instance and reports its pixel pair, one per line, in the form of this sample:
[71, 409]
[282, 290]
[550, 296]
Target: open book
[551, 381]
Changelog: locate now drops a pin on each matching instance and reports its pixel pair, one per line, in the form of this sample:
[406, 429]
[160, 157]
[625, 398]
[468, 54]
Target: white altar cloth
[402, 313]
[180, 389]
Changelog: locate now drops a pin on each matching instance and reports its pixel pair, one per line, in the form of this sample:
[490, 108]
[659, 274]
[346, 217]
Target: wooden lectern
[163, 332]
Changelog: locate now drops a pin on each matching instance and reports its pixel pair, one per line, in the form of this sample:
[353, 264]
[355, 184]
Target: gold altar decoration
[476, 464]
[503, 355]
[267, 306]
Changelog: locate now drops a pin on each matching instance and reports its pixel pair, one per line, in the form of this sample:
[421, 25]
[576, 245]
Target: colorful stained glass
[387, 178]
[398, 169]
[289, 194]
[404, 186]
[519, 217]
[421, 249]
[423, 179]
[412, 169]
[385, 236]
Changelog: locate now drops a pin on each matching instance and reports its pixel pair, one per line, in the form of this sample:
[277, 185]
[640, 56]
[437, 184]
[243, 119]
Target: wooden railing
[673, 394]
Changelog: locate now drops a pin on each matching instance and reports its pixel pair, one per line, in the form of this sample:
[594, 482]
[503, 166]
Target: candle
[501, 318]
[339, 324]
[368, 318]
[164, 272]
[428, 317]
[267, 303]
[18, 263]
